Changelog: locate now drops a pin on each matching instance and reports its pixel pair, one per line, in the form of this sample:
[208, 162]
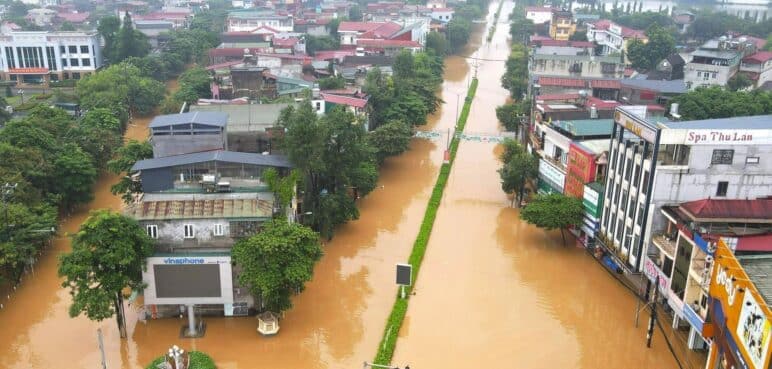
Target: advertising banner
[753, 330]
[652, 271]
[552, 175]
[592, 201]
[635, 125]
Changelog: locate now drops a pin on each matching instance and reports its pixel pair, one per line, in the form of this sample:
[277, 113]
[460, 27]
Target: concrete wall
[723, 74]
[545, 65]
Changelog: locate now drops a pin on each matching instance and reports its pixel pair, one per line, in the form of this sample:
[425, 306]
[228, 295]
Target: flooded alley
[336, 323]
[495, 292]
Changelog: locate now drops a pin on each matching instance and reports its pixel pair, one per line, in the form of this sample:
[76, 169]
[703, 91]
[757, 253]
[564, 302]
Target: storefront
[739, 324]
[592, 202]
[551, 178]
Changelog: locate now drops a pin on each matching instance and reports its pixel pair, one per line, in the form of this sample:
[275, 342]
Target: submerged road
[495, 292]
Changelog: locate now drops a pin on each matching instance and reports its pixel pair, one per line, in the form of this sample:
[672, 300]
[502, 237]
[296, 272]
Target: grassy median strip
[495, 21]
[398, 311]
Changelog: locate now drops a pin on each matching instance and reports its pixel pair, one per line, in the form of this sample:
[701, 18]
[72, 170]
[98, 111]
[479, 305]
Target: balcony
[700, 271]
[665, 244]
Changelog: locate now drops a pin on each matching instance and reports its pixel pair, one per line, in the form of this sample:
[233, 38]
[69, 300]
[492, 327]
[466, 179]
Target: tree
[646, 56]
[355, 13]
[125, 158]
[74, 175]
[554, 211]
[518, 167]
[22, 236]
[283, 188]
[578, 36]
[130, 42]
[715, 102]
[331, 83]
[319, 43]
[120, 88]
[515, 78]
[194, 84]
[739, 82]
[108, 28]
[459, 29]
[67, 26]
[108, 255]
[335, 160]
[392, 138]
[98, 133]
[509, 115]
[404, 65]
[437, 43]
[277, 262]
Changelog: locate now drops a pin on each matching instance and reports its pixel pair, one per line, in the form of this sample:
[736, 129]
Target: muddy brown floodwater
[336, 322]
[495, 292]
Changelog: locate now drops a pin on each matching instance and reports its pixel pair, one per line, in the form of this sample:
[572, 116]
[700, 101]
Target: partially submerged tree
[125, 158]
[108, 255]
[518, 168]
[554, 211]
[277, 262]
[283, 188]
[392, 138]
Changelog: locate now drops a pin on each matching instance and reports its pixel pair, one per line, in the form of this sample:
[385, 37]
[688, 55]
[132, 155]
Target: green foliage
[437, 43]
[715, 102]
[510, 114]
[277, 262]
[125, 157]
[644, 20]
[24, 236]
[120, 88]
[319, 43]
[520, 28]
[578, 36]
[410, 94]
[515, 78]
[458, 30]
[390, 139]
[98, 133]
[121, 41]
[399, 309]
[331, 83]
[355, 13]
[108, 254]
[646, 56]
[740, 81]
[334, 158]
[283, 188]
[198, 360]
[554, 211]
[710, 24]
[67, 26]
[193, 85]
[518, 168]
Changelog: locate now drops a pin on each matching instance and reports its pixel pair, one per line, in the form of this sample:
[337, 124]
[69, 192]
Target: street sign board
[404, 274]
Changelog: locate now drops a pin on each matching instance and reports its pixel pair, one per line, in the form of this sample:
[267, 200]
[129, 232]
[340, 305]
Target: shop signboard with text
[553, 176]
[636, 125]
[592, 201]
[746, 317]
[652, 271]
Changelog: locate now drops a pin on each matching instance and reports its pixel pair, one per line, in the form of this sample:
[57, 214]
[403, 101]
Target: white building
[40, 57]
[41, 17]
[716, 61]
[657, 162]
[42, 3]
[538, 14]
[612, 37]
[443, 15]
[246, 21]
[758, 67]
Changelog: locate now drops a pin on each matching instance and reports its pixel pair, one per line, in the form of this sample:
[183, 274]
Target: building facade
[716, 61]
[562, 25]
[40, 57]
[248, 20]
[654, 162]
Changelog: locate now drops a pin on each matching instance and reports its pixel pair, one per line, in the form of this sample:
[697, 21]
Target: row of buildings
[683, 205]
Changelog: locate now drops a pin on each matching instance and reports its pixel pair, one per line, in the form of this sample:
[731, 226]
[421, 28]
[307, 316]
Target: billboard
[189, 279]
[753, 330]
[553, 176]
[592, 201]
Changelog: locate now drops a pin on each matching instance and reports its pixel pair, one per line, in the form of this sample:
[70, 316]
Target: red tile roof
[74, 17]
[371, 43]
[627, 32]
[333, 54]
[655, 107]
[553, 97]
[565, 82]
[605, 83]
[385, 30]
[754, 243]
[285, 42]
[759, 42]
[231, 51]
[358, 26]
[344, 100]
[758, 58]
[601, 104]
[223, 65]
[737, 210]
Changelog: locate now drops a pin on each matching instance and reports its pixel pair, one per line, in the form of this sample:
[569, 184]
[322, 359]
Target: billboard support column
[191, 321]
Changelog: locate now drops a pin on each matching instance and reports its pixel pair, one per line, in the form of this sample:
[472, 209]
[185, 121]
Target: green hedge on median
[398, 311]
[198, 360]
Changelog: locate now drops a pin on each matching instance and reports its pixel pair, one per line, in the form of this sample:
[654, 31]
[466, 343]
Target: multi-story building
[611, 37]
[682, 252]
[562, 25]
[195, 205]
[40, 57]
[758, 67]
[573, 61]
[656, 162]
[716, 61]
[248, 20]
[539, 14]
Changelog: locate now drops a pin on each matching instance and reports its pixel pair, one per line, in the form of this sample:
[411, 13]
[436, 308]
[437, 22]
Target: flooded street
[495, 292]
[336, 323]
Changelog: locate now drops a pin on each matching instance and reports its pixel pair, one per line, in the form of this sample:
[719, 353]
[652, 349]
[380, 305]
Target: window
[620, 224]
[616, 193]
[605, 214]
[752, 160]
[613, 159]
[64, 62]
[86, 62]
[715, 75]
[74, 62]
[152, 231]
[628, 169]
[61, 50]
[189, 231]
[84, 49]
[722, 157]
[628, 236]
[722, 187]
[637, 175]
[645, 185]
[73, 49]
[219, 230]
[699, 74]
[624, 201]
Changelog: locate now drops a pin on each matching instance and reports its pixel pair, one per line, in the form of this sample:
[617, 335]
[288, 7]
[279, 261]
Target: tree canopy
[277, 262]
[645, 56]
[715, 102]
[121, 164]
[515, 78]
[122, 40]
[517, 169]
[554, 211]
[108, 255]
[121, 88]
[392, 138]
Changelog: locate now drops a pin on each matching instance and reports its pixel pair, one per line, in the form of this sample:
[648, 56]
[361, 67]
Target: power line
[484, 59]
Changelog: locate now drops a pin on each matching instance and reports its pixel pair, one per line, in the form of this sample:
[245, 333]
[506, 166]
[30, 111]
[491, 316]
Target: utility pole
[653, 317]
[101, 347]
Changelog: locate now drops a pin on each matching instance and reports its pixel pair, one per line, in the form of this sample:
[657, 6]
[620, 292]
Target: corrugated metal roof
[279, 161]
[669, 87]
[202, 208]
[758, 209]
[586, 127]
[759, 270]
[206, 118]
[763, 122]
